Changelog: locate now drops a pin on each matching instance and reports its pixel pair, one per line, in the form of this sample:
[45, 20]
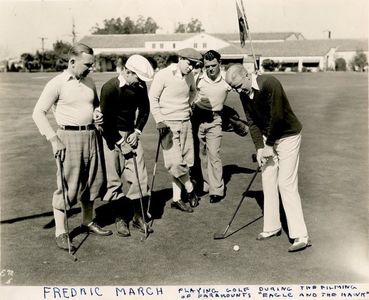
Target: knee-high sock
[176, 190]
[59, 217]
[185, 180]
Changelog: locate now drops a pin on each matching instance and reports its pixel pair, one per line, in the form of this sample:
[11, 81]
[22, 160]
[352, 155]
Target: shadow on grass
[259, 198]
[229, 170]
[106, 213]
[50, 224]
[158, 201]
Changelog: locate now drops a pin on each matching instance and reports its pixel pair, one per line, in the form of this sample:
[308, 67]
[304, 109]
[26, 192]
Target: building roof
[267, 36]
[131, 40]
[304, 47]
[138, 40]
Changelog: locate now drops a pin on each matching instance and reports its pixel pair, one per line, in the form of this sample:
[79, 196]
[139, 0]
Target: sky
[24, 23]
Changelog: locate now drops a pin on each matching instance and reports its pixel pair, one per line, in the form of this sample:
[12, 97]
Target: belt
[78, 128]
[205, 115]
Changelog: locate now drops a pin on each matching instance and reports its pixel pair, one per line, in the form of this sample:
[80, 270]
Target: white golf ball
[236, 247]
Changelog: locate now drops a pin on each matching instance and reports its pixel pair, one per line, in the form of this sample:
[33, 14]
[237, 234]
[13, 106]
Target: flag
[243, 26]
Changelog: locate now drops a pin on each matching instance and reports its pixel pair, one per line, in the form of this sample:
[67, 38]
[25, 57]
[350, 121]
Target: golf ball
[236, 247]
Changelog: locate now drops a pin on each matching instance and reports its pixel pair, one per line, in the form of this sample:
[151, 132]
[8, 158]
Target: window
[204, 45]
[153, 45]
[174, 45]
[161, 45]
[195, 45]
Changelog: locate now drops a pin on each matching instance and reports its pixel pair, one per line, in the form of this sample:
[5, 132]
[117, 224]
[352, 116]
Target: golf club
[141, 196]
[71, 255]
[153, 177]
[218, 235]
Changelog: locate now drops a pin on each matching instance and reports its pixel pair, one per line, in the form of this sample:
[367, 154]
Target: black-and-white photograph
[184, 149]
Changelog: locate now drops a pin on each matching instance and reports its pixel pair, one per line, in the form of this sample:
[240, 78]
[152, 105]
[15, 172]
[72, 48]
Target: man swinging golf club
[121, 98]
[275, 131]
[73, 99]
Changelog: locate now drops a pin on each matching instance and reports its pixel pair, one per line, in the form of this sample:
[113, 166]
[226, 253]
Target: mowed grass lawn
[333, 181]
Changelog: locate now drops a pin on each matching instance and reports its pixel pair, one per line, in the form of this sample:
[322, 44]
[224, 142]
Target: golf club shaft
[141, 194]
[65, 203]
[243, 197]
[153, 177]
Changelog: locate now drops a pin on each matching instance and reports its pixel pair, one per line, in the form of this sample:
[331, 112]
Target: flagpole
[249, 35]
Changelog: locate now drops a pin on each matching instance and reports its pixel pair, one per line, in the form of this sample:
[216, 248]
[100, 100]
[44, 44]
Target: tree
[181, 28]
[61, 48]
[194, 25]
[340, 64]
[59, 56]
[359, 61]
[128, 26]
[27, 60]
[150, 26]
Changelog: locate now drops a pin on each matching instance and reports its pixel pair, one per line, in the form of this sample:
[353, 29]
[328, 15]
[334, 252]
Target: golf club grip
[253, 156]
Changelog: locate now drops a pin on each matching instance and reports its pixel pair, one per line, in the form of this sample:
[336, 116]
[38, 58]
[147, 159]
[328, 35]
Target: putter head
[73, 257]
[218, 236]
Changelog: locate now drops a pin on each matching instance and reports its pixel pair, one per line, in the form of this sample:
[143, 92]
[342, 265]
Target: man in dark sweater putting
[275, 131]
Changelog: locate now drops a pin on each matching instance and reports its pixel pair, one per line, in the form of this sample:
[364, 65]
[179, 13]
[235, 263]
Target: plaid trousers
[84, 178]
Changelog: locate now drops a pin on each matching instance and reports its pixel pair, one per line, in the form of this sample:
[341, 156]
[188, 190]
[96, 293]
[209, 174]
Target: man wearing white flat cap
[125, 107]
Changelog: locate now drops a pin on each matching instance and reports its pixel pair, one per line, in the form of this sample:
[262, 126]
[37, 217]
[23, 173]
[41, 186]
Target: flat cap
[190, 54]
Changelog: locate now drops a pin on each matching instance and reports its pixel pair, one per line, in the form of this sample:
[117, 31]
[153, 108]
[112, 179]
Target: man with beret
[171, 94]
[276, 133]
[72, 97]
[125, 107]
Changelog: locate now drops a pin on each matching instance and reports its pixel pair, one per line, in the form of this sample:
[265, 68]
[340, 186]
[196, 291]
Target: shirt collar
[122, 81]
[254, 85]
[175, 70]
[204, 75]
[68, 75]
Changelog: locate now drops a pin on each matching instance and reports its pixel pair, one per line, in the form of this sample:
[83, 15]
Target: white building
[290, 49]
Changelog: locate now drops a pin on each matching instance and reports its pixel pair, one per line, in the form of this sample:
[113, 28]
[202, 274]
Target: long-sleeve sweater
[119, 105]
[269, 112]
[72, 101]
[171, 94]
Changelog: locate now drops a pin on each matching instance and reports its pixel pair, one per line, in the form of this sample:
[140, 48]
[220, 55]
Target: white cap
[141, 66]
